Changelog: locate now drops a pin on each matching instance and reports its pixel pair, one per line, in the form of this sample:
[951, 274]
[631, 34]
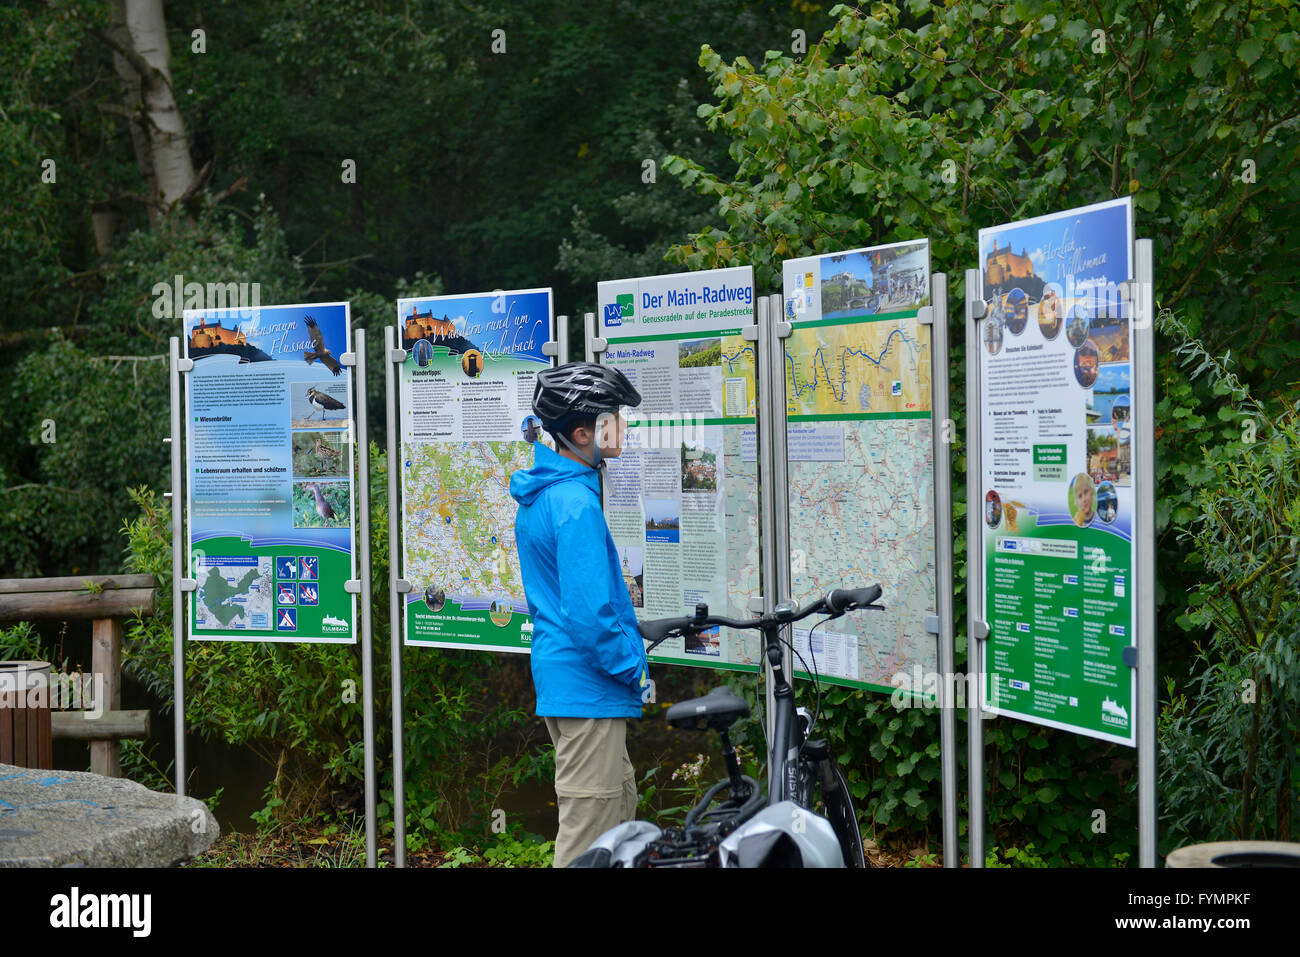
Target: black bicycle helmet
[580, 390]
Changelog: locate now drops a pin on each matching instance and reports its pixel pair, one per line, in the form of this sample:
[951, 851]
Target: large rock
[71, 818]
[1236, 854]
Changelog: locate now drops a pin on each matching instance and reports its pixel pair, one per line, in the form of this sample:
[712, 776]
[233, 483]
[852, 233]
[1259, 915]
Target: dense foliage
[343, 149]
[92, 405]
[1229, 734]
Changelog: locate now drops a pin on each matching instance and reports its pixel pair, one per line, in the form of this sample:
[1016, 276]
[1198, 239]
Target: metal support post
[941, 428]
[179, 570]
[362, 443]
[976, 628]
[1144, 531]
[393, 357]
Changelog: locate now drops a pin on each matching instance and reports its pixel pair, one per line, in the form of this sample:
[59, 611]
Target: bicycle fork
[836, 798]
[784, 783]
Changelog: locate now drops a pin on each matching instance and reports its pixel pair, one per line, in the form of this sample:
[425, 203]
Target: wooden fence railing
[106, 600]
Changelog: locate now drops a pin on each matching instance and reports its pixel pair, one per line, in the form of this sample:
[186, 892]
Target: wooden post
[106, 664]
[75, 726]
[119, 596]
[105, 599]
[6, 728]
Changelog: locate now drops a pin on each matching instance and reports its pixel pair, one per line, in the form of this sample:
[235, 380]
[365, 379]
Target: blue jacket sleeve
[587, 597]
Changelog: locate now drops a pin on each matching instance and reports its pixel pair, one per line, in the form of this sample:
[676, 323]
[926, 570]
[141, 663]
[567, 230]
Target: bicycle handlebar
[842, 599]
[660, 629]
[836, 602]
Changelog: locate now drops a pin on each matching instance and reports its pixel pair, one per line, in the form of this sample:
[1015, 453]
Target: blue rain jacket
[588, 656]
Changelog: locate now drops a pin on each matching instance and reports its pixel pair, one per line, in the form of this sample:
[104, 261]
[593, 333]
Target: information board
[465, 408]
[1057, 475]
[269, 456]
[861, 458]
[682, 499]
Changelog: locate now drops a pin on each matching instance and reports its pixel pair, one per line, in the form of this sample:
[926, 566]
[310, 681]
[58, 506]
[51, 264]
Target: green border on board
[854, 416]
[666, 336]
[712, 665]
[732, 420]
[850, 683]
[856, 320]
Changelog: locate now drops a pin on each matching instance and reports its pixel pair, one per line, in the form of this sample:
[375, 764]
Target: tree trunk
[120, 39]
[142, 57]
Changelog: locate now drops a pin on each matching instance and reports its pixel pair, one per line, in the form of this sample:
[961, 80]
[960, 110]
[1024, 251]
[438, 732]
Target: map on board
[869, 519]
[460, 533]
[861, 473]
[858, 368]
[743, 533]
[738, 360]
[234, 596]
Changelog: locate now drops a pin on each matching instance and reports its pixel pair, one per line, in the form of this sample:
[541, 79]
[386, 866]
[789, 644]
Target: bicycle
[739, 831]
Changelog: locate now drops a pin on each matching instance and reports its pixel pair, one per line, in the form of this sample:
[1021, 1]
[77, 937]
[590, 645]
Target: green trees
[1230, 731]
[921, 119]
[335, 150]
[91, 406]
[927, 119]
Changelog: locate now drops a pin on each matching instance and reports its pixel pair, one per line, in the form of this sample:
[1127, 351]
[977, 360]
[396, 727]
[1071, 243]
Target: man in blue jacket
[588, 657]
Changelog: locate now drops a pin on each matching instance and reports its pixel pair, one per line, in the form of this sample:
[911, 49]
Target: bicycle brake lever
[840, 614]
[655, 644]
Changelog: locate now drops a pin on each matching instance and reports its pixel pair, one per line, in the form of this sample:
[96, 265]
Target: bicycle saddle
[718, 710]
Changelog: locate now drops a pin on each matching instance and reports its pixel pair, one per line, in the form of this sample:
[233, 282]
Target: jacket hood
[549, 468]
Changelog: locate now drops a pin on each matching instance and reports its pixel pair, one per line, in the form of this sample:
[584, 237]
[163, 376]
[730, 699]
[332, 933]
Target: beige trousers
[595, 785]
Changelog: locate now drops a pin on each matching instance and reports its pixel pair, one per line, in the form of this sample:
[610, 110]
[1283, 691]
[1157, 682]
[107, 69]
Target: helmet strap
[596, 462]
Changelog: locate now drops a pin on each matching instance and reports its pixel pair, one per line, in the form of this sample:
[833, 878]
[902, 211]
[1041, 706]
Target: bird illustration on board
[323, 508]
[325, 451]
[322, 402]
[318, 348]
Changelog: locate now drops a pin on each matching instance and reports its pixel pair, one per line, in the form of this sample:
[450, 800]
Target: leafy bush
[20, 642]
[1229, 734]
[507, 852]
[511, 852]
